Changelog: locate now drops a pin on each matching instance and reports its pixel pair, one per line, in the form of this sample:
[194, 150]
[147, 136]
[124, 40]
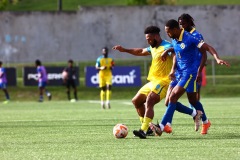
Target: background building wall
[57, 36]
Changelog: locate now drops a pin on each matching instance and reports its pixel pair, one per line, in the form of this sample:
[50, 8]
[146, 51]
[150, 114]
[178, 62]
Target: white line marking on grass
[93, 102]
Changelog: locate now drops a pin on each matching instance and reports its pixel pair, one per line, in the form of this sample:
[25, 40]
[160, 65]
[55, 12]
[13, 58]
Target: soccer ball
[120, 131]
[64, 75]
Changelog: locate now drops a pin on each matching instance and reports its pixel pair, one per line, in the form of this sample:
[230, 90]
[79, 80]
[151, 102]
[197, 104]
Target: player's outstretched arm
[133, 51]
[202, 64]
[172, 72]
[165, 53]
[214, 53]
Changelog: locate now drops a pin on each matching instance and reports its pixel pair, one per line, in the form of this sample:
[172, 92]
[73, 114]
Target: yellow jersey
[105, 62]
[159, 70]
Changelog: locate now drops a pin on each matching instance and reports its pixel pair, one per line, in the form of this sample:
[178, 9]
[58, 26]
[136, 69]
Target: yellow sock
[108, 95]
[102, 95]
[145, 123]
[141, 120]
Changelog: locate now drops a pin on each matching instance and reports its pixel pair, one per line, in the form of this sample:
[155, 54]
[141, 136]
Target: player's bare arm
[202, 64]
[214, 53]
[100, 67]
[133, 51]
[172, 72]
[165, 53]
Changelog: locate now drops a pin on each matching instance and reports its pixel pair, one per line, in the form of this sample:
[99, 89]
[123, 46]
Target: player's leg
[68, 90]
[139, 101]
[40, 90]
[102, 86]
[108, 95]
[188, 82]
[152, 99]
[168, 127]
[176, 93]
[108, 90]
[184, 83]
[198, 106]
[3, 86]
[102, 96]
[168, 94]
[74, 86]
[49, 95]
[157, 92]
[41, 94]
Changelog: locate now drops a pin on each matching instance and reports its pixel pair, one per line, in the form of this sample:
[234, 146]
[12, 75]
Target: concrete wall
[53, 36]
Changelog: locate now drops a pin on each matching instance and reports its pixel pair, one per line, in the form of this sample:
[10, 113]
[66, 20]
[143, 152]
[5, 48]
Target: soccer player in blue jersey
[186, 48]
[104, 65]
[187, 23]
[42, 80]
[3, 82]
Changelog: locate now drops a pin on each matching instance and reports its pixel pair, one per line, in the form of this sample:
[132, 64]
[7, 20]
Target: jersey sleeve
[149, 49]
[167, 46]
[98, 63]
[196, 41]
[38, 70]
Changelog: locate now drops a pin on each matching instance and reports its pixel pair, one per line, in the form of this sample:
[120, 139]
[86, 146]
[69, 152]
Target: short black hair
[1, 62]
[70, 61]
[152, 30]
[106, 49]
[172, 23]
[38, 62]
[186, 17]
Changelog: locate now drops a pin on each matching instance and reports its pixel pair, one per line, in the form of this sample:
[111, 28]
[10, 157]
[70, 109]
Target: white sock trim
[161, 127]
[194, 113]
[102, 102]
[205, 122]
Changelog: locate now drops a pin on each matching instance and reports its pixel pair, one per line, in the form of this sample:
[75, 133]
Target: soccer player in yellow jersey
[155, 90]
[105, 64]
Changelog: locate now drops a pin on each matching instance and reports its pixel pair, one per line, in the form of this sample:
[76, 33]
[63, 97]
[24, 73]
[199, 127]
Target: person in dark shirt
[69, 78]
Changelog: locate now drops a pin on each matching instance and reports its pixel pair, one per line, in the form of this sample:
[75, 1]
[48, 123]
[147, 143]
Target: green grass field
[81, 130]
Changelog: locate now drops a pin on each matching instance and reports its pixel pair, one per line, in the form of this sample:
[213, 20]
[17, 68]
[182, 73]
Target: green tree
[152, 2]
[137, 2]
[5, 3]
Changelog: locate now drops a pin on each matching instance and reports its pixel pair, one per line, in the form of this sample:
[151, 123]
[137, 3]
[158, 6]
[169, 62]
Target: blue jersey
[186, 49]
[198, 35]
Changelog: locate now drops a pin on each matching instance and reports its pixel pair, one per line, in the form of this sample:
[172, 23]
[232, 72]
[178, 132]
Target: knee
[134, 101]
[173, 98]
[109, 87]
[137, 102]
[192, 102]
[166, 102]
[103, 88]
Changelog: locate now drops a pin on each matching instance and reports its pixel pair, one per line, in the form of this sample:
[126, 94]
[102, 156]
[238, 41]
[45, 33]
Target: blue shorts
[42, 84]
[187, 81]
[3, 85]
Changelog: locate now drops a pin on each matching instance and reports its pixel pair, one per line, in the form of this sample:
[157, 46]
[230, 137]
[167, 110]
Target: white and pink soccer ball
[64, 75]
[120, 130]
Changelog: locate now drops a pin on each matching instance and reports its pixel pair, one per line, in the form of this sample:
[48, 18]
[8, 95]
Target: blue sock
[183, 109]
[200, 107]
[169, 113]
